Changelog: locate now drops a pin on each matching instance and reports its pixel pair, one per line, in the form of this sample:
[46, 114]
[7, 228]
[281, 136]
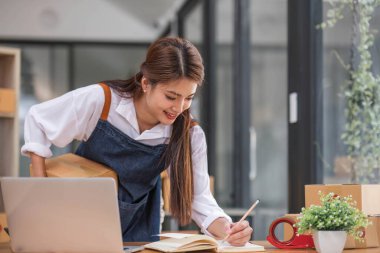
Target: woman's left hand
[239, 233]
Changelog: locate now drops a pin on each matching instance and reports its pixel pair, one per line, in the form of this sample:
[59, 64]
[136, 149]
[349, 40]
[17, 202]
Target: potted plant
[361, 91]
[330, 222]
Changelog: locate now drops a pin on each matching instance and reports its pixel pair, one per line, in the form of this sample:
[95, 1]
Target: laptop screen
[62, 214]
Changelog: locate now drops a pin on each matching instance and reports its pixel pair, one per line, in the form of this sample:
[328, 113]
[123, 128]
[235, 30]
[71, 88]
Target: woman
[139, 127]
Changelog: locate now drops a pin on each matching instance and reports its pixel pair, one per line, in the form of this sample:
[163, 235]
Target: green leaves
[335, 213]
[362, 92]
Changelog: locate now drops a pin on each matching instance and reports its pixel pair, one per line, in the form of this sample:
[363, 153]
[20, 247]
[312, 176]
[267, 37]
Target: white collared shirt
[75, 114]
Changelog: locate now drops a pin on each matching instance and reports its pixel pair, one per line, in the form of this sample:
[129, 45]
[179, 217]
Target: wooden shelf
[7, 115]
[9, 122]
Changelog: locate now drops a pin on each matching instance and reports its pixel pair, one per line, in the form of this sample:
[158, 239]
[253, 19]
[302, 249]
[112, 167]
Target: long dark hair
[171, 59]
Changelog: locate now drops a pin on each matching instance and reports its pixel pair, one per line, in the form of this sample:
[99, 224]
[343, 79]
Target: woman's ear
[144, 83]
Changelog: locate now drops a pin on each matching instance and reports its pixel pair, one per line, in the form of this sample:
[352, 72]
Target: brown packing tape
[369, 194]
[288, 230]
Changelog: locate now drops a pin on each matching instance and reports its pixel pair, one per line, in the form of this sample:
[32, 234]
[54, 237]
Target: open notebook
[191, 242]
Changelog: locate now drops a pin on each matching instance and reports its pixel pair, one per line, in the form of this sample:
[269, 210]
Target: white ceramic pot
[329, 241]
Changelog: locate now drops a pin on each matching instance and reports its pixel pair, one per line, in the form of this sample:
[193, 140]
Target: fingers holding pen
[239, 233]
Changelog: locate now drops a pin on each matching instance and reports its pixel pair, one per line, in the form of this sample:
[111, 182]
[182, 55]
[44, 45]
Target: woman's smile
[171, 116]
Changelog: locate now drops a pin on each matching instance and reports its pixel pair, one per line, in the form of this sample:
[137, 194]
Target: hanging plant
[361, 92]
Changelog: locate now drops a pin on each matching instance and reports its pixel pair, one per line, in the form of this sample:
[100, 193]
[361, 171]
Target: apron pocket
[130, 213]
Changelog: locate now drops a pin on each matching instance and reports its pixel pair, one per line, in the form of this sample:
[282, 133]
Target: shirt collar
[126, 109]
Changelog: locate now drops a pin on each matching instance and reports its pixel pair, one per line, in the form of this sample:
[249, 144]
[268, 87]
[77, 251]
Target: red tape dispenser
[296, 242]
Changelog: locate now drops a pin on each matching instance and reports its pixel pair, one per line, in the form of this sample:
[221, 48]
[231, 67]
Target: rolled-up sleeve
[61, 120]
[204, 209]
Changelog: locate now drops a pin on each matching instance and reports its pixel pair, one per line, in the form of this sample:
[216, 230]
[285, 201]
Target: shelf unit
[9, 122]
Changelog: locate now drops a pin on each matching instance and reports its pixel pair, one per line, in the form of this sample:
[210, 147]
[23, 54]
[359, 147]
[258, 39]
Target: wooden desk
[4, 248]
[271, 249]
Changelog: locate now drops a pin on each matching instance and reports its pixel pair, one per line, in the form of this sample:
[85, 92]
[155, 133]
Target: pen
[244, 216]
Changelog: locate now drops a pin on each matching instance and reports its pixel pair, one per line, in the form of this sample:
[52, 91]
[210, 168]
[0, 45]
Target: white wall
[85, 20]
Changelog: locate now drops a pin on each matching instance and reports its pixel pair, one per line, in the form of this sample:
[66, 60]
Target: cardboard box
[166, 189]
[364, 195]
[372, 236]
[71, 165]
[7, 101]
[371, 239]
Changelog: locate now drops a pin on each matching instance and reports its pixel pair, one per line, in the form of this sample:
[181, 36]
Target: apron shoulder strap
[193, 123]
[107, 101]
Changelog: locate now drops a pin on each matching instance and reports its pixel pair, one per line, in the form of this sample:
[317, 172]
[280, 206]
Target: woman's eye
[170, 98]
[189, 99]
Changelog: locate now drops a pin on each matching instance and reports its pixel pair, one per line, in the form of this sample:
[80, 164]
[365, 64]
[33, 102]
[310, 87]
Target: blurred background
[270, 105]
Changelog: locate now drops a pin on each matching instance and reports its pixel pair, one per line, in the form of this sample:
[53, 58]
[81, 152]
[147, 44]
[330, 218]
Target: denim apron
[138, 167]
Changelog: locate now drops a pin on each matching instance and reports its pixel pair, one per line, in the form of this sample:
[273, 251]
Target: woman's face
[165, 101]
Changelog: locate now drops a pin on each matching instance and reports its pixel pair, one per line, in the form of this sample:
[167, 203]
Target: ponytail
[178, 158]
[127, 88]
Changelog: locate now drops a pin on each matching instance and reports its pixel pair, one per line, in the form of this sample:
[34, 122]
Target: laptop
[62, 214]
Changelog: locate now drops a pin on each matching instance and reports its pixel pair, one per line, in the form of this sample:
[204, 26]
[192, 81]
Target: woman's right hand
[38, 165]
